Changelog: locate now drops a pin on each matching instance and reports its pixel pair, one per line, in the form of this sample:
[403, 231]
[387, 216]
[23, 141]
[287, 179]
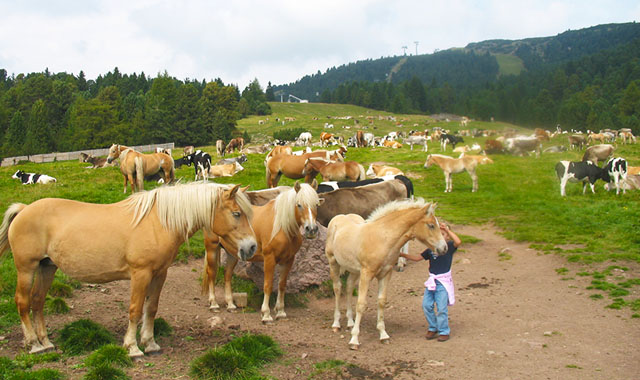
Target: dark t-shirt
[440, 264]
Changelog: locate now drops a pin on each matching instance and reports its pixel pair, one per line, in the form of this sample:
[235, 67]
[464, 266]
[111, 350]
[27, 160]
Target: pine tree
[14, 138]
[37, 138]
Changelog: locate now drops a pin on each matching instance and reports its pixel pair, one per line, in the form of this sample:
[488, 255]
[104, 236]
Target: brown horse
[134, 166]
[237, 143]
[450, 165]
[292, 166]
[137, 239]
[333, 171]
[277, 226]
[369, 248]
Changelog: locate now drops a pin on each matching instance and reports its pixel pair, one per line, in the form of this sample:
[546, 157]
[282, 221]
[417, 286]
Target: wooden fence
[65, 156]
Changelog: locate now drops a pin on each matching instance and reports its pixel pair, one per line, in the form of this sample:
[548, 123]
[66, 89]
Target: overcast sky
[277, 40]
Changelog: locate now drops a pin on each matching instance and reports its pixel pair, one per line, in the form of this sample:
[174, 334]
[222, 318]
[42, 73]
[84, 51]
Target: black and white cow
[446, 138]
[585, 172]
[31, 178]
[201, 162]
[616, 171]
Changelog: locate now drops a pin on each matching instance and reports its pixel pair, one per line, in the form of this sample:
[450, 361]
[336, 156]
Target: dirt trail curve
[513, 319]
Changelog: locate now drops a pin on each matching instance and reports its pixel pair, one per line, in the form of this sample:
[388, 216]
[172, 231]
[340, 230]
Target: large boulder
[309, 268]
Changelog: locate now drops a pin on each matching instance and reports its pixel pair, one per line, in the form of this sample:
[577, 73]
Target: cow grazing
[446, 138]
[585, 172]
[616, 171]
[523, 145]
[32, 178]
[201, 162]
[598, 153]
[237, 143]
[417, 140]
[576, 141]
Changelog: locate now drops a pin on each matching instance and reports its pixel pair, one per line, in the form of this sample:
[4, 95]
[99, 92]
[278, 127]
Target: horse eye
[236, 214]
[431, 226]
[299, 206]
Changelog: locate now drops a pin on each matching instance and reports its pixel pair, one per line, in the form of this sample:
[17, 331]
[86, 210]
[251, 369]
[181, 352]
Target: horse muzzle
[310, 231]
[109, 160]
[441, 248]
[247, 248]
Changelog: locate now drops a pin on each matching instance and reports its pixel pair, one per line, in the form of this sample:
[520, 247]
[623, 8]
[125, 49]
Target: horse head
[114, 152]
[306, 209]
[232, 222]
[429, 162]
[427, 230]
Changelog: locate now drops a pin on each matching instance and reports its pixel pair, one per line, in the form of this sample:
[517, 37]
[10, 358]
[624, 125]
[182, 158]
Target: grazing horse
[378, 171]
[450, 165]
[237, 143]
[593, 137]
[369, 248]
[333, 171]
[137, 239]
[292, 166]
[277, 226]
[134, 166]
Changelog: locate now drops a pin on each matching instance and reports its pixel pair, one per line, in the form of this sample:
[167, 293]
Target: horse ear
[296, 187]
[320, 201]
[431, 208]
[314, 184]
[244, 189]
[233, 191]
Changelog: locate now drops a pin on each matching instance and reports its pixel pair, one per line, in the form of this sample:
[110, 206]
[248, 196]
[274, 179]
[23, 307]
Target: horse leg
[269, 268]
[363, 288]
[24, 283]
[382, 301]
[125, 183]
[44, 277]
[149, 314]
[228, 273]
[132, 182]
[282, 287]
[352, 279]
[474, 180]
[447, 181]
[211, 260]
[140, 280]
[334, 271]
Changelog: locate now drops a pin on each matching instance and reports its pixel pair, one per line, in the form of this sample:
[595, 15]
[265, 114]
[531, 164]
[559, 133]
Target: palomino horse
[134, 166]
[450, 165]
[378, 171]
[292, 166]
[277, 226]
[136, 239]
[369, 248]
[333, 171]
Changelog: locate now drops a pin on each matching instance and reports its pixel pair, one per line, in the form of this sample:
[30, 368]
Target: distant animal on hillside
[493, 146]
[32, 178]
[305, 138]
[377, 171]
[134, 166]
[391, 144]
[446, 138]
[598, 153]
[359, 139]
[576, 141]
[201, 162]
[450, 165]
[326, 138]
[523, 145]
[235, 144]
[593, 137]
[163, 150]
[96, 162]
[417, 140]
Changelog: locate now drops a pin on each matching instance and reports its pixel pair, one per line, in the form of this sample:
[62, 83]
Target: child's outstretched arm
[454, 237]
[411, 257]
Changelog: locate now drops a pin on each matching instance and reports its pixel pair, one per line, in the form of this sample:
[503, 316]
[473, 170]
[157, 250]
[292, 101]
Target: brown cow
[237, 143]
[576, 141]
[325, 138]
[598, 153]
[493, 146]
[360, 141]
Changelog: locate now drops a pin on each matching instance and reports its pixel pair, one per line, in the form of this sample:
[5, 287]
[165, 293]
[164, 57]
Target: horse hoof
[281, 316]
[354, 346]
[40, 349]
[384, 341]
[232, 310]
[336, 329]
[214, 309]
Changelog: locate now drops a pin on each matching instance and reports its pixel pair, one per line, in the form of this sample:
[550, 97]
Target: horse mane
[285, 218]
[183, 207]
[390, 207]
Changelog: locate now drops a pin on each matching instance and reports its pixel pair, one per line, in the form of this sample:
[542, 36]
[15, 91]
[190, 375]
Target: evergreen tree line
[46, 112]
[594, 92]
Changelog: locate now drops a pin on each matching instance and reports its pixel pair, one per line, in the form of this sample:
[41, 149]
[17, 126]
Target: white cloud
[278, 41]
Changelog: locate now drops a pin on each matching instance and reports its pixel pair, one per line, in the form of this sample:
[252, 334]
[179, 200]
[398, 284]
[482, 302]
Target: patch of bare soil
[514, 318]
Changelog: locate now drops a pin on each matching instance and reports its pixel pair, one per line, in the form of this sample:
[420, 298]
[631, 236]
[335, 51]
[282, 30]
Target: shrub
[83, 336]
[289, 134]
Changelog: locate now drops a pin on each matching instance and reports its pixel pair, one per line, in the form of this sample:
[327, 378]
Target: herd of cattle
[306, 164]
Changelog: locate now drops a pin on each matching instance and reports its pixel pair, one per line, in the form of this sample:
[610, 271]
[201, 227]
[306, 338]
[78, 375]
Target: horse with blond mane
[134, 166]
[137, 239]
[333, 171]
[370, 248]
[450, 165]
[277, 226]
[292, 166]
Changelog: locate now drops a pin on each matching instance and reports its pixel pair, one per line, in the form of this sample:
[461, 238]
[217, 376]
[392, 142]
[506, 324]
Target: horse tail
[268, 172]
[362, 176]
[9, 215]
[139, 166]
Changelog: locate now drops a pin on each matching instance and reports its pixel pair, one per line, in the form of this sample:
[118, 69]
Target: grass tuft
[83, 336]
[56, 305]
[26, 361]
[161, 328]
[41, 374]
[259, 349]
[110, 354]
[105, 372]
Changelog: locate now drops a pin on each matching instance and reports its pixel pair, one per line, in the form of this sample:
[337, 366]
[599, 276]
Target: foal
[450, 165]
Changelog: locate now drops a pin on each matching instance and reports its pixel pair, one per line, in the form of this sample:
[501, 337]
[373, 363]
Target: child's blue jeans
[437, 321]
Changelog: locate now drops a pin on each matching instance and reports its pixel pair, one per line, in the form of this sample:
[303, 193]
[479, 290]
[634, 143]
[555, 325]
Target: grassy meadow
[520, 195]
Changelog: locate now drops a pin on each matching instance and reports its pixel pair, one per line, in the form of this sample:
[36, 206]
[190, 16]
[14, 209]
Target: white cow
[305, 137]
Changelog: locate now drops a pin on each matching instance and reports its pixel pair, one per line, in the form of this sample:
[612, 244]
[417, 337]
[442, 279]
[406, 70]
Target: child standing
[439, 286]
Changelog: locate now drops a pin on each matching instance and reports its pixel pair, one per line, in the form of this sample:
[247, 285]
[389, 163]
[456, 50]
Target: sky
[277, 41]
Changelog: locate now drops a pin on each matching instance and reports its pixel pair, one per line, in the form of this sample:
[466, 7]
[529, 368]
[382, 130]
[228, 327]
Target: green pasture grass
[40, 374]
[109, 355]
[509, 64]
[239, 359]
[105, 372]
[26, 361]
[56, 305]
[82, 336]
[330, 365]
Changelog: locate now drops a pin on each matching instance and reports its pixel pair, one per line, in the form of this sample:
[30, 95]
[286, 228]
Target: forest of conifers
[58, 112]
[584, 79]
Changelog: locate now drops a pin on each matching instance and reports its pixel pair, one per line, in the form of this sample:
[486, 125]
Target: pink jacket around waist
[446, 280]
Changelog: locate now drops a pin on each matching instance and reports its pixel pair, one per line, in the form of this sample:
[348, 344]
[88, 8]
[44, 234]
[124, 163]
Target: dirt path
[514, 318]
